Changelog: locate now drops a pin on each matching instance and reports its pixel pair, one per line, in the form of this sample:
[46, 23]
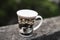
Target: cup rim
[24, 13]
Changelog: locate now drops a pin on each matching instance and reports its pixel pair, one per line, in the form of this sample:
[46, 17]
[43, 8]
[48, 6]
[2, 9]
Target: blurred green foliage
[45, 8]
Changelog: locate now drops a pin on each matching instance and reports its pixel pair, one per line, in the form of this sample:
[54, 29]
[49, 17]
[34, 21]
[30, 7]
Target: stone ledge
[49, 26]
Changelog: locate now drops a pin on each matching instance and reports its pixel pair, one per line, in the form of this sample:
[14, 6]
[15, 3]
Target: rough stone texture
[49, 30]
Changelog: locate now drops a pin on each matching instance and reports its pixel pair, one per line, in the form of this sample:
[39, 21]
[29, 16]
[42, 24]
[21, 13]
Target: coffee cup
[26, 19]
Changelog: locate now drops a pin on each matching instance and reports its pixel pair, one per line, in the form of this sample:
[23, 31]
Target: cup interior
[25, 13]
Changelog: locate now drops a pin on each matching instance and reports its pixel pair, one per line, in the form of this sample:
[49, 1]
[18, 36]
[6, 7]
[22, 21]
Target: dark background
[45, 8]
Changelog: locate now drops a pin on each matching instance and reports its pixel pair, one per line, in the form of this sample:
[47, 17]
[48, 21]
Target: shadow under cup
[25, 25]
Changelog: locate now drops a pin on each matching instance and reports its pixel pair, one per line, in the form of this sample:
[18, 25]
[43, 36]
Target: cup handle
[39, 23]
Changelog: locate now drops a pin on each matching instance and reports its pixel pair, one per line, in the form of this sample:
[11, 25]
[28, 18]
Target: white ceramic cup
[26, 13]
